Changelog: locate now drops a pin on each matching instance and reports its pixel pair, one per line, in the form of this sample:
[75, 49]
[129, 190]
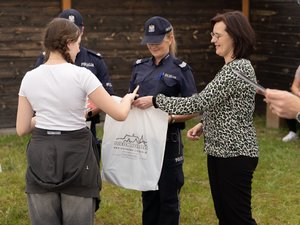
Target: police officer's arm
[188, 88]
[104, 78]
[92, 112]
[143, 102]
[40, 60]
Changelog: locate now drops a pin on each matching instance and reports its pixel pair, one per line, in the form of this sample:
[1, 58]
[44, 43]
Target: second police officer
[164, 73]
[92, 61]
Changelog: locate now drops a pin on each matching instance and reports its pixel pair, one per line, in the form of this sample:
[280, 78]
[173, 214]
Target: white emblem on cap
[138, 61]
[151, 28]
[72, 18]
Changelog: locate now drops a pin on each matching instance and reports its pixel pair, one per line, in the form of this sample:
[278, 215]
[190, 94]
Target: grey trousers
[60, 209]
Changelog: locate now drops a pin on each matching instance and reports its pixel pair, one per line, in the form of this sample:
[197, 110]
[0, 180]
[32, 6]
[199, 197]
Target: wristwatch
[298, 117]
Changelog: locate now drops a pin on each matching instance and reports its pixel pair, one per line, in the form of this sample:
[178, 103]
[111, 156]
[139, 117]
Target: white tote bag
[133, 150]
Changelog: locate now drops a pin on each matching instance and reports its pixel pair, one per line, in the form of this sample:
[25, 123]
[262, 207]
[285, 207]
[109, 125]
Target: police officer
[90, 60]
[163, 73]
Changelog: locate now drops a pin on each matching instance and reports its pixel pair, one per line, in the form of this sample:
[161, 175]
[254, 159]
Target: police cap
[72, 15]
[155, 30]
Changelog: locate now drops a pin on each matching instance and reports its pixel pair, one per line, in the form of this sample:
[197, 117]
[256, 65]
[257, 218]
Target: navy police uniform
[172, 77]
[94, 62]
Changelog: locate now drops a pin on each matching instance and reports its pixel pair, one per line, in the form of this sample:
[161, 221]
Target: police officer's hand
[143, 102]
[195, 132]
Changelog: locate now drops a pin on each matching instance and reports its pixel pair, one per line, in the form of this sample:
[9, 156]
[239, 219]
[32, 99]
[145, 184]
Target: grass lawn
[276, 185]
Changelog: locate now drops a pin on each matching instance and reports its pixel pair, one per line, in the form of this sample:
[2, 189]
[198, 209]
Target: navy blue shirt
[171, 77]
[93, 62]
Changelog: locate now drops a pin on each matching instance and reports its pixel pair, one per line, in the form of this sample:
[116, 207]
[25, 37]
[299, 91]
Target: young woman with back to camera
[62, 178]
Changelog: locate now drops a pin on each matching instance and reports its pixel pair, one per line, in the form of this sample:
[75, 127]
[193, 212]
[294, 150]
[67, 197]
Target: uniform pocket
[168, 81]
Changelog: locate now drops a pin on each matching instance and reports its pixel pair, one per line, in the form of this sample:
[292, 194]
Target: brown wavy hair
[58, 34]
[240, 30]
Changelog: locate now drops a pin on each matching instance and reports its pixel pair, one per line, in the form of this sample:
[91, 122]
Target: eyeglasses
[216, 35]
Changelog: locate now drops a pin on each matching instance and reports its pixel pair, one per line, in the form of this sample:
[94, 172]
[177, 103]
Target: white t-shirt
[57, 93]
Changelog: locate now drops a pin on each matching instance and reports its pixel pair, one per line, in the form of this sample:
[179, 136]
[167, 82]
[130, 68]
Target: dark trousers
[162, 207]
[94, 120]
[292, 125]
[93, 129]
[230, 181]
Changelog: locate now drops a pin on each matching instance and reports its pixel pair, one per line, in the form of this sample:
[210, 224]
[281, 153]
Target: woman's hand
[195, 132]
[283, 103]
[131, 96]
[143, 102]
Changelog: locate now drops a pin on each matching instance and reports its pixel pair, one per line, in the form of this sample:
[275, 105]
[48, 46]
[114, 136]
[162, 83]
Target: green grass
[276, 195]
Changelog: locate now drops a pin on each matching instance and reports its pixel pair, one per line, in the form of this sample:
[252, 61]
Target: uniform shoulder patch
[141, 61]
[94, 53]
[183, 65]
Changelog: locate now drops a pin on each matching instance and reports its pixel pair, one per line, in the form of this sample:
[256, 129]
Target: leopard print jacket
[227, 105]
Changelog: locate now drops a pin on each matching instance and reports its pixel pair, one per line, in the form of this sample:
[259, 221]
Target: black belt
[177, 125]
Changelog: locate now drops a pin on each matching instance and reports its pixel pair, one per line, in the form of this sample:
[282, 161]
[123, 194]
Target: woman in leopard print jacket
[227, 105]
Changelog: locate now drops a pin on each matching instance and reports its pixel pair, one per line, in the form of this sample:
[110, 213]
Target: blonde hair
[173, 46]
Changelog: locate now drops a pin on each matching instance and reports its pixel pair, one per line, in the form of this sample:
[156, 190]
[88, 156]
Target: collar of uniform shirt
[162, 60]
